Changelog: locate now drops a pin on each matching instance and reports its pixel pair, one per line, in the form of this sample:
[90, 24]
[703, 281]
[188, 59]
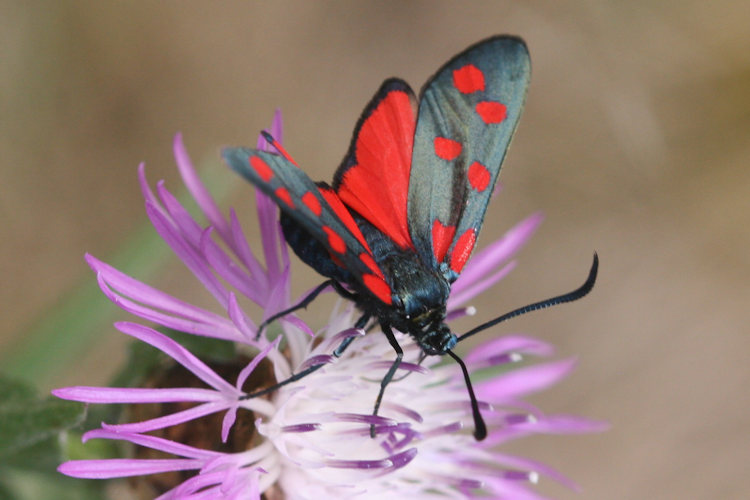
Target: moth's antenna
[576, 294]
[273, 142]
[480, 429]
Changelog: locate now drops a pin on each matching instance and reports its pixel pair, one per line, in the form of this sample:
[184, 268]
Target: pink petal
[116, 395]
[485, 261]
[198, 190]
[178, 353]
[123, 467]
[524, 381]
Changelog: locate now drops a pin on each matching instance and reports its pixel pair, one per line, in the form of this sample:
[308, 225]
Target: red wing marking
[468, 79]
[479, 176]
[335, 241]
[311, 202]
[261, 167]
[343, 214]
[367, 259]
[378, 287]
[337, 261]
[447, 149]
[462, 249]
[377, 185]
[442, 236]
[283, 194]
[273, 142]
[491, 112]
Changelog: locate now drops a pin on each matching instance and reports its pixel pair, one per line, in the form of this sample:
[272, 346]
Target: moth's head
[433, 336]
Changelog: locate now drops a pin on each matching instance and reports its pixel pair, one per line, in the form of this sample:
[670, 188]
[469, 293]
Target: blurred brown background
[633, 143]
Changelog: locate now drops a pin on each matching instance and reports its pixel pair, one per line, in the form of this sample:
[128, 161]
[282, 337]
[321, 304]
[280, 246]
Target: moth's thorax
[418, 288]
[420, 293]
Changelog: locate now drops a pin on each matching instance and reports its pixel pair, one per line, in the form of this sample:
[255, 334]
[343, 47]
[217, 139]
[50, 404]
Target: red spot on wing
[447, 149]
[261, 167]
[283, 194]
[311, 202]
[337, 261]
[335, 241]
[491, 112]
[367, 259]
[479, 176]
[378, 287]
[377, 185]
[468, 79]
[442, 236]
[462, 249]
[343, 214]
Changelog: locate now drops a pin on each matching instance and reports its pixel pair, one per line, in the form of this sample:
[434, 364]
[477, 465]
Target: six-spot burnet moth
[399, 222]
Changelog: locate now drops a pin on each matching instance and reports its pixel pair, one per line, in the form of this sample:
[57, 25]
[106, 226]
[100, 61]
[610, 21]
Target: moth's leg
[422, 357]
[300, 305]
[391, 371]
[310, 369]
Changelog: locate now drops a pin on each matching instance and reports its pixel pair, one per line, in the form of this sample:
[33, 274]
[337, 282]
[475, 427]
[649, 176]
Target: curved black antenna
[480, 429]
[576, 294]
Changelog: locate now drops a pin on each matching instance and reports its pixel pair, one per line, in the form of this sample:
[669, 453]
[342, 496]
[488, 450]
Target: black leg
[301, 305]
[391, 371]
[422, 357]
[311, 369]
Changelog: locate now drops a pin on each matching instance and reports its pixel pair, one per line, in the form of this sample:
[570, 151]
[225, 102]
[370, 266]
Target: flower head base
[312, 438]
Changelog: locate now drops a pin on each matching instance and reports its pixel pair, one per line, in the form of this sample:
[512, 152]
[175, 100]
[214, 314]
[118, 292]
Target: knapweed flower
[311, 439]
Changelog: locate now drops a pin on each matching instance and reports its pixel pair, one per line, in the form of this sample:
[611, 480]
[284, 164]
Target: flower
[311, 439]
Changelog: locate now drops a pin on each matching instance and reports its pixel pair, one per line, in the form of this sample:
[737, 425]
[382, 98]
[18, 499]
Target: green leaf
[26, 421]
[19, 485]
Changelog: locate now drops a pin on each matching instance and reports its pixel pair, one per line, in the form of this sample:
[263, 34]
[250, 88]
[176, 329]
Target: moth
[400, 220]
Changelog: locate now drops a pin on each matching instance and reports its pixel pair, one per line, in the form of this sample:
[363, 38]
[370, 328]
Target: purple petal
[187, 254]
[170, 420]
[359, 464]
[362, 419]
[408, 412]
[194, 320]
[245, 254]
[533, 465]
[508, 344]
[199, 192]
[476, 288]
[320, 359]
[227, 422]
[148, 195]
[406, 366]
[179, 354]
[149, 295]
[243, 323]
[183, 221]
[301, 428]
[268, 221]
[116, 395]
[123, 467]
[333, 342]
[523, 381]
[569, 424]
[277, 127]
[485, 261]
[227, 269]
[252, 365]
[454, 314]
[156, 443]
[298, 323]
